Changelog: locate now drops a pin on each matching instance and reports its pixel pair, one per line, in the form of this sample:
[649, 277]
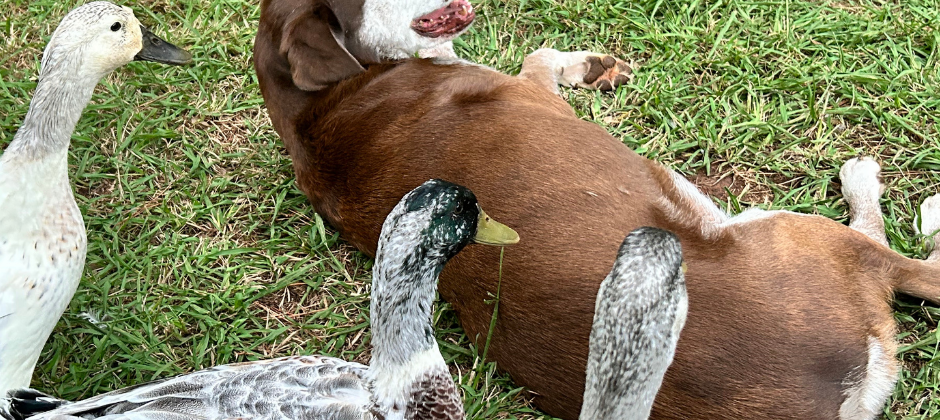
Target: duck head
[99, 37]
[438, 219]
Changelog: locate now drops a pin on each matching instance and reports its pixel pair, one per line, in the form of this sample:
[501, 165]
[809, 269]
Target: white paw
[861, 180]
[930, 215]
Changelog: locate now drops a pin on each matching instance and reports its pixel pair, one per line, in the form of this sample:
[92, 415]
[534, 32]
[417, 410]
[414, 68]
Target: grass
[202, 250]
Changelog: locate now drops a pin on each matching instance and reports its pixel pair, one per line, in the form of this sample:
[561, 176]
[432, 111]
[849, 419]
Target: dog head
[325, 41]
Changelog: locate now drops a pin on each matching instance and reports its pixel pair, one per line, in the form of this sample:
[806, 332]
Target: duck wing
[299, 388]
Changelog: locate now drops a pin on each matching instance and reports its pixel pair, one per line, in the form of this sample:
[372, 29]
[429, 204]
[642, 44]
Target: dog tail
[921, 280]
[685, 209]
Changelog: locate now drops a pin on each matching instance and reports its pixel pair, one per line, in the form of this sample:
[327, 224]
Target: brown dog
[790, 315]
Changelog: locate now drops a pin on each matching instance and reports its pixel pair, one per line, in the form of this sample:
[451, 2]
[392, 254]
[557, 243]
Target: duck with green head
[407, 379]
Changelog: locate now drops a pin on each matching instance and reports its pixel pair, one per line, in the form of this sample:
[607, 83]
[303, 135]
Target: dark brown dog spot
[595, 70]
[621, 79]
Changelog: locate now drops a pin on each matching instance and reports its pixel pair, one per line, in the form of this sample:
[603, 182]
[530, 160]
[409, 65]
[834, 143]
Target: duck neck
[404, 348]
[628, 396]
[60, 97]
[632, 344]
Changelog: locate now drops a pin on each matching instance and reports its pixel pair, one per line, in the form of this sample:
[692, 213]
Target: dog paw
[599, 72]
[861, 180]
[930, 215]
[607, 72]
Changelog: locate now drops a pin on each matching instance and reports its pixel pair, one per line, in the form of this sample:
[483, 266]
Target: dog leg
[582, 69]
[862, 188]
[930, 223]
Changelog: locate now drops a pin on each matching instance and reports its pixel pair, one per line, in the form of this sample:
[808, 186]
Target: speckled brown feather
[435, 398]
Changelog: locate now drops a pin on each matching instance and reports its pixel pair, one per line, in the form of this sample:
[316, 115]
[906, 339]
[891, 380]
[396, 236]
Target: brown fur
[780, 308]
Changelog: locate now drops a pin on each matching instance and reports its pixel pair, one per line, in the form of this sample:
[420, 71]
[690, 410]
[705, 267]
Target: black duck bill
[159, 51]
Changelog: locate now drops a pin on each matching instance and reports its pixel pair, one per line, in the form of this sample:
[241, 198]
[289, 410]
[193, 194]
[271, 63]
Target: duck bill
[157, 50]
[491, 232]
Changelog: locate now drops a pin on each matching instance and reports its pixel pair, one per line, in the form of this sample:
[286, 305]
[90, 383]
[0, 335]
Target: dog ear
[313, 44]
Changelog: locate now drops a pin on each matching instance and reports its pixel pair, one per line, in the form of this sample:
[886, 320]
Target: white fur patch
[866, 399]
[709, 212]
[754, 214]
[930, 215]
[930, 222]
[457, 61]
[445, 50]
[386, 27]
[860, 182]
[750, 215]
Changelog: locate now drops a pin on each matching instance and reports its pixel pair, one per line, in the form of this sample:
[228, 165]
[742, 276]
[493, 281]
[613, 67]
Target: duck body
[407, 380]
[42, 254]
[42, 235]
[301, 388]
[288, 388]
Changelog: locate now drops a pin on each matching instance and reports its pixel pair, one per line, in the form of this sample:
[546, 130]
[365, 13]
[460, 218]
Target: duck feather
[296, 387]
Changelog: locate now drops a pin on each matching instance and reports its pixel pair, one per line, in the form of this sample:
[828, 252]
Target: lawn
[203, 251]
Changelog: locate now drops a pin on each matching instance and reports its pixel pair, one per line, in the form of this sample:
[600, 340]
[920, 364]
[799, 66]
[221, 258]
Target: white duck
[42, 236]
[641, 308]
[407, 379]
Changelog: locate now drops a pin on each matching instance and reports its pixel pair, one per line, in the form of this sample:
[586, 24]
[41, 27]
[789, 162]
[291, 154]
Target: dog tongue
[447, 20]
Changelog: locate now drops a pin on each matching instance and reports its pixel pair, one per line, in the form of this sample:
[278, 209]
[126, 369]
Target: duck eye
[459, 208]
[116, 26]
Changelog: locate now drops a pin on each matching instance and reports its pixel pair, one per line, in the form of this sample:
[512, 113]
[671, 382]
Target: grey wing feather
[301, 388]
